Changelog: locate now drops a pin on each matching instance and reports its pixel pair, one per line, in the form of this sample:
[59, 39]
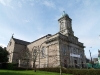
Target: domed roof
[64, 14]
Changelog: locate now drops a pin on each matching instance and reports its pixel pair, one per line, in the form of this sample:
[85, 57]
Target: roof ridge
[20, 40]
[41, 38]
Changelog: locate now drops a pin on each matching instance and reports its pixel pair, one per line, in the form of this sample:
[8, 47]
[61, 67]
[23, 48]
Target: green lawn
[31, 72]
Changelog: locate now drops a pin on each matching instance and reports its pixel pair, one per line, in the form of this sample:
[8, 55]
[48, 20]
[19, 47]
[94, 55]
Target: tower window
[62, 25]
[68, 24]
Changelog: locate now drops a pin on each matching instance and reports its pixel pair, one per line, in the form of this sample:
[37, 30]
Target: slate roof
[18, 41]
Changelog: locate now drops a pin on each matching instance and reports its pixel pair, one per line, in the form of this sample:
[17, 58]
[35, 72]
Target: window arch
[43, 52]
[64, 49]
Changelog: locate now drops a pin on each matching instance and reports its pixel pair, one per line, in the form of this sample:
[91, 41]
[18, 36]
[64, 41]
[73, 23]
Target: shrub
[74, 71]
[10, 66]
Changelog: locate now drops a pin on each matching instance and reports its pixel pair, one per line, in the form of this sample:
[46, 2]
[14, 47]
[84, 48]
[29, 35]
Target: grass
[29, 72]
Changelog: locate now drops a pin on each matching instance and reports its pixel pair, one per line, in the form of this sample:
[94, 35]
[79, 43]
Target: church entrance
[82, 64]
[75, 62]
[65, 63]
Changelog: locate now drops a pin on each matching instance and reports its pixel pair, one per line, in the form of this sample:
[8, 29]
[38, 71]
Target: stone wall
[18, 52]
[38, 45]
[10, 48]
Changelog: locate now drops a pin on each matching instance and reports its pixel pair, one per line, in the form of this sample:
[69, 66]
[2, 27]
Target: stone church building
[50, 50]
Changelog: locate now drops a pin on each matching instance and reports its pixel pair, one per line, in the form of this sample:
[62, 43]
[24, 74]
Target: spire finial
[12, 35]
[64, 14]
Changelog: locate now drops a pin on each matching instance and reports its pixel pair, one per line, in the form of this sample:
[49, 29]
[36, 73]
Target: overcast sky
[32, 19]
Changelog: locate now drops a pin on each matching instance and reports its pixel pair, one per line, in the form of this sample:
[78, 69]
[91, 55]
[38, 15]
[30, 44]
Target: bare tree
[35, 52]
[24, 57]
[28, 55]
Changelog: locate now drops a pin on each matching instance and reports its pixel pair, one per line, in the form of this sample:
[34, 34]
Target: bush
[22, 68]
[50, 69]
[73, 71]
[3, 65]
[8, 66]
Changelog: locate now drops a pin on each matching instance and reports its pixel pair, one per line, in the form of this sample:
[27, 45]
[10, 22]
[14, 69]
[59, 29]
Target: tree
[3, 55]
[24, 57]
[35, 53]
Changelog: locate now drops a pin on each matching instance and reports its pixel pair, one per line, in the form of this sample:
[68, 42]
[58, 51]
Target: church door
[75, 62]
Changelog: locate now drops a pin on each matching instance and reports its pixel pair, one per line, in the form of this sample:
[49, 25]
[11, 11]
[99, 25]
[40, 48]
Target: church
[62, 48]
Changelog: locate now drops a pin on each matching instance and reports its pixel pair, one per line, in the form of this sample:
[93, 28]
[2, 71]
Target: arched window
[62, 25]
[35, 53]
[64, 49]
[43, 52]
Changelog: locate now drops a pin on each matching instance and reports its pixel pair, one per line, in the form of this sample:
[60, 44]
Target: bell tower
[65, 23]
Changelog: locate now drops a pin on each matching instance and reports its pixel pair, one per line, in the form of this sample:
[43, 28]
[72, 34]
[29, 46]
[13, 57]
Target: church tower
[65, 24]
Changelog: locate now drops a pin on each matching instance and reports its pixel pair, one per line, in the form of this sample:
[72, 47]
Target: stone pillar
[47, 54]
[19, 63]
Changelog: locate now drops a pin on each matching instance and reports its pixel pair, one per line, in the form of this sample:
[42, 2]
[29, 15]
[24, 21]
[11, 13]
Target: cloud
[3, 2]
[6, 3]
[57, 17]
[99, 36]
[5, 30]
[2, 45]
[24, 1]
[32, 4]
[41, 35]
[39, 28]
[86, 2]
[49, 4]
[90, 41]
[61, 9]
[19, 4]
[26, 21]
[95, 55]
[2, 38]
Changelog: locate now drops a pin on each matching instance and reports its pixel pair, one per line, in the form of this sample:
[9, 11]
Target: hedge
[9, 66]
[73, 71]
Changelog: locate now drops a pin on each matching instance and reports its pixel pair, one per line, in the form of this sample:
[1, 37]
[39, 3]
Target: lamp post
[90, 55]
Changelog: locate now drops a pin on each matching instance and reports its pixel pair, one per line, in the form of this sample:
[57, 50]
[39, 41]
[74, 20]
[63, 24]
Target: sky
[31, 19]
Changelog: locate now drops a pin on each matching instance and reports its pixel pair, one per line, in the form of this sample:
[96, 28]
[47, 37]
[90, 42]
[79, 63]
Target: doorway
[75, 62]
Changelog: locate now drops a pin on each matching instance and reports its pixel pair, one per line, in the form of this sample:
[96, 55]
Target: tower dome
[64, 14]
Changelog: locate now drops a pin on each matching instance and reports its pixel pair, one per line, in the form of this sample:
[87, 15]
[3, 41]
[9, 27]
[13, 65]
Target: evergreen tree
[3, 55]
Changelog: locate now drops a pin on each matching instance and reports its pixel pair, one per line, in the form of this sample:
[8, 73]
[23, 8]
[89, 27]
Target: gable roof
[48, 35]
[18, 41]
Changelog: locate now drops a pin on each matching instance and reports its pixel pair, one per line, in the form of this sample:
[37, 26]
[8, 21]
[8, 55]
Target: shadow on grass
[10, 73]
